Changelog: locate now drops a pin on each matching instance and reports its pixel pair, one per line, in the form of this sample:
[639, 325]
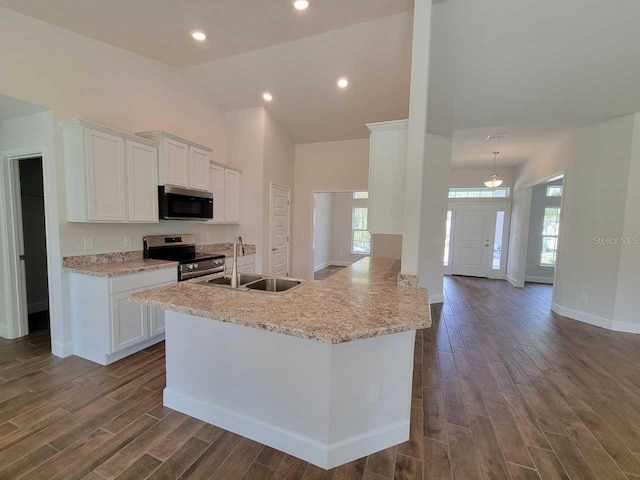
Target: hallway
[502, 388]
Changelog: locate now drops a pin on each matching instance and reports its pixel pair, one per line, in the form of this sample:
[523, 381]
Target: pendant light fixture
[493, 181]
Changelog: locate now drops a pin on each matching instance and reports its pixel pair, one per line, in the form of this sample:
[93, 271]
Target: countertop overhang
[360, 302]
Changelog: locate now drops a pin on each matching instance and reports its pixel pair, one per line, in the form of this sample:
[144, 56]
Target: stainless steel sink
[274, 285]
[226, 281]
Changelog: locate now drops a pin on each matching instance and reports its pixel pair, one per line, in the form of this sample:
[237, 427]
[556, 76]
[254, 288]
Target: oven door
[182, 204]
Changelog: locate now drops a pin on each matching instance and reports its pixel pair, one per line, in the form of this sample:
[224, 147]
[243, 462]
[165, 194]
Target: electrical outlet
[374, 393]
[584, 297]
[128, 241]
[88, 243]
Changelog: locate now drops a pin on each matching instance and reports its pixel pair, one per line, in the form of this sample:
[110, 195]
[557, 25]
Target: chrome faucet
[234, 273]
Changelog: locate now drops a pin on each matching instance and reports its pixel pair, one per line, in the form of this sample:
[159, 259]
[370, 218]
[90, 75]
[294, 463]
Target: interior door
[473, 240]
[279, 255]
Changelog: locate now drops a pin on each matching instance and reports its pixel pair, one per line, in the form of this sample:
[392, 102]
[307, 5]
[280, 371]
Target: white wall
[322, 215]
[475, 177]
[539, 201]
[600, 163]
[323, 167]
[434, 215]
[279, 161]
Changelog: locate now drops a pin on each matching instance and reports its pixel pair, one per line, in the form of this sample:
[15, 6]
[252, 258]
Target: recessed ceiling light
[343, 82]
[199, 36]
[301, 5]
[267, 96]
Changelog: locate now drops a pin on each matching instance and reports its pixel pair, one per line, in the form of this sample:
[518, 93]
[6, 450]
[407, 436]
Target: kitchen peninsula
[322, 372]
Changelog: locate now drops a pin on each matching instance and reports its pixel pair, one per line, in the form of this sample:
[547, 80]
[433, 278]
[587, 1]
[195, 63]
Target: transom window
[479, 192]
[360, 195]
[554, 191]
[550, 232]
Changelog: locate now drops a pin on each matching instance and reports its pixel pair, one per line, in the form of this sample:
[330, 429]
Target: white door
[142, 177]
[473, 240]
[106, 190]
[279, 241]
[130, 321]
[176, 163]
[217, 189]
[231, 196]
[199, 169]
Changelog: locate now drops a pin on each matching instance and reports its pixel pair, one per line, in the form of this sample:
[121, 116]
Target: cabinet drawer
[143, 280]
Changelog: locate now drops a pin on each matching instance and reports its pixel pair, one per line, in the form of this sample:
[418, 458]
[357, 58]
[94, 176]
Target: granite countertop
[115, 269]
[362, 301]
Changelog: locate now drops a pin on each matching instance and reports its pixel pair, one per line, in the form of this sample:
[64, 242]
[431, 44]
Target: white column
[416, 136]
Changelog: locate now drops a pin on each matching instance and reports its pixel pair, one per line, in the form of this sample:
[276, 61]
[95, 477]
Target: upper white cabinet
[217, 189]
[111, 176]
[182, 163]
[232, 196]
[387, 160]
[225, 187]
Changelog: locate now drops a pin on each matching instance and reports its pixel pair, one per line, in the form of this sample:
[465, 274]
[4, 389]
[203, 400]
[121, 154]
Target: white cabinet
[183, 163]
[106, 326]
[199, 169]
[387, 160]
[232, 196]
[175, 159]
[129, 322]
[111, 176]
[142, 182]
[246, 264]
[217, 189]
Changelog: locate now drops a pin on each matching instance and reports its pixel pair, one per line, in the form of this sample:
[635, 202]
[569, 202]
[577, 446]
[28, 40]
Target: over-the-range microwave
[177, 203]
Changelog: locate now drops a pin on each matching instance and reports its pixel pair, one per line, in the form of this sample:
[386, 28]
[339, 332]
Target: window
[360, 195]
[480, 192]
[360, 236]
[554, 191]
[550, 232]
[447, 238]
[496, 264]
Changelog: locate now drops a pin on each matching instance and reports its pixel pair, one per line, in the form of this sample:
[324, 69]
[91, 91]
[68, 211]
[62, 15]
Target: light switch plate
[128, 241]
[88, 243]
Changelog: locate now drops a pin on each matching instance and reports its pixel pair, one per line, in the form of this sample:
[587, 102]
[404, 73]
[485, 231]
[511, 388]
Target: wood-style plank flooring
[502, 389]
[327, 272]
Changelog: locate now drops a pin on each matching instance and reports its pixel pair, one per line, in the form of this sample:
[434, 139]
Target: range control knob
[190, 266]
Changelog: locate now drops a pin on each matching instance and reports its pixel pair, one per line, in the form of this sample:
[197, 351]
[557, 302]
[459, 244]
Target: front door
[473, 240]
[279, 241]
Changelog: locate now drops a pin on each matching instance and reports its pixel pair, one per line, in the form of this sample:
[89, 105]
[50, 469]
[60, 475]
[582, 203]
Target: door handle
[487, 245]
[22, 257]
[274, 249]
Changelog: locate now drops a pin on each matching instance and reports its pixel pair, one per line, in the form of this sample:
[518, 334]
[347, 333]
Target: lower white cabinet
[106, 325]
[246, 264]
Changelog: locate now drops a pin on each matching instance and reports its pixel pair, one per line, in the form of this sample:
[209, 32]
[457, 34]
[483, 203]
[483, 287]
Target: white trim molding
[625, 327]
[547, 280]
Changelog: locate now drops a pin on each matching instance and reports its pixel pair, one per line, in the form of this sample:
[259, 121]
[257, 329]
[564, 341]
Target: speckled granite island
[322, 372]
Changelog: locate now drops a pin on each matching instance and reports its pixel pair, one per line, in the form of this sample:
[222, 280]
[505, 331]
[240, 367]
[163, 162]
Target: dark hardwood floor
[327, 272]
[503, 389]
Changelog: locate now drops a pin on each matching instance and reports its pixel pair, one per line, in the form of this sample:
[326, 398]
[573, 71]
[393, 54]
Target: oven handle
[201, 273]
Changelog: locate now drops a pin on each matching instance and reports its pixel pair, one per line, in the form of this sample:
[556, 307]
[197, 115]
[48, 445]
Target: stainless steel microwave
[177, 203]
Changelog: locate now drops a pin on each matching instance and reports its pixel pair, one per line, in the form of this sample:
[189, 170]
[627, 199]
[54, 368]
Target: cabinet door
[199, 169]
[129, 322]
[176, 163]
[106, 184]
[142, 182]
[231, 196]
[217, 188]
[156, 321]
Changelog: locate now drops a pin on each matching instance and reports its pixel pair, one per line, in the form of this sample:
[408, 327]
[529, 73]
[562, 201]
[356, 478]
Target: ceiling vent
[497, 136]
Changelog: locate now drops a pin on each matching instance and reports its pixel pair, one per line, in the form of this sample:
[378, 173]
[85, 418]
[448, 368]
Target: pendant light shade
[494, 181]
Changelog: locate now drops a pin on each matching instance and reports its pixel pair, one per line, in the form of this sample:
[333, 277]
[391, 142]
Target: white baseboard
[595, 320]
[546, 280]
[331, 263]
[4, 331]
[320, 454]
[62, 350]
[38, 306]
[513, 281]
[436, 299]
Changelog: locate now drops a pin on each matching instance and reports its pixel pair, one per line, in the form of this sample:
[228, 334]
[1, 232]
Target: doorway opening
[32, 242]
[544, 231]
[340, 231]
[477, 232]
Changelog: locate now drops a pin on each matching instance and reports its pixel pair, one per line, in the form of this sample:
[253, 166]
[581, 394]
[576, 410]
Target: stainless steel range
[182, 249]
